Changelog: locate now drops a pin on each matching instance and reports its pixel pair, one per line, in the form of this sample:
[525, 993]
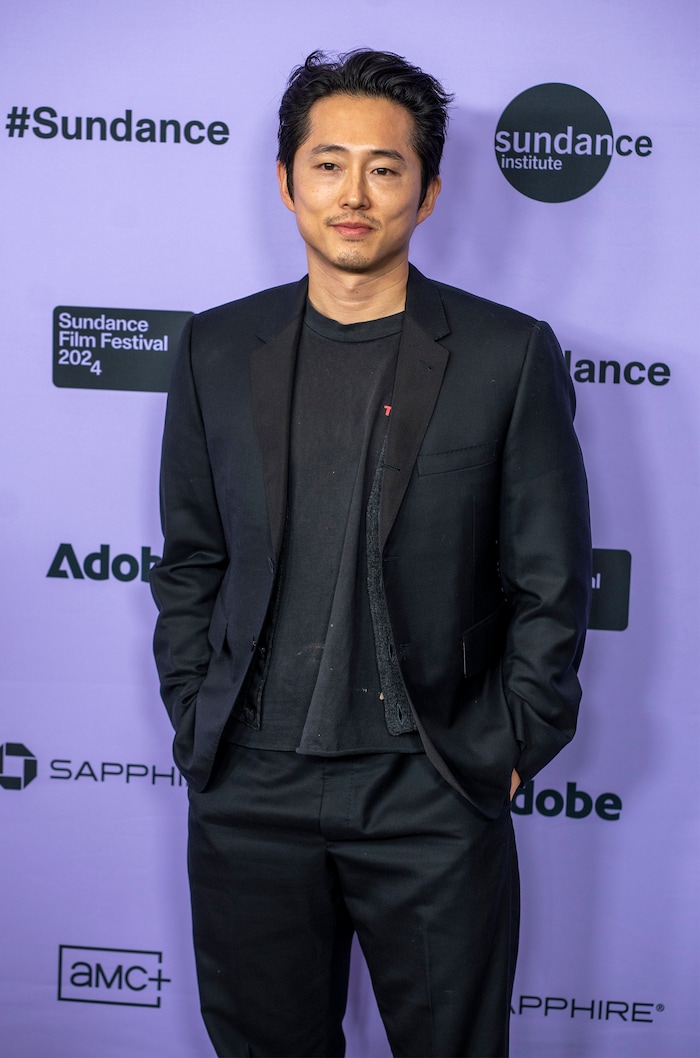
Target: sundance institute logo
[554, 142]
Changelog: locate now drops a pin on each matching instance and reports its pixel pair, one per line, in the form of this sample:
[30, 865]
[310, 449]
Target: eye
[382, 170]
[328, 167]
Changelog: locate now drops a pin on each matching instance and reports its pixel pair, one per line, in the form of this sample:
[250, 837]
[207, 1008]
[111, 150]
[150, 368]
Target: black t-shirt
[320, 691]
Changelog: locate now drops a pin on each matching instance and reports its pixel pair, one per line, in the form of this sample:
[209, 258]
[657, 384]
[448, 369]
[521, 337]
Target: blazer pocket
[484, 641]
[457, 459]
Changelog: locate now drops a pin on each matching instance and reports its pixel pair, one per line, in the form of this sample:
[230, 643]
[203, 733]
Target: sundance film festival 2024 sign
[128, 349]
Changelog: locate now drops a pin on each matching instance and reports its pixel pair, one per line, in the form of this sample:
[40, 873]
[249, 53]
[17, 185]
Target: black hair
[364, 72]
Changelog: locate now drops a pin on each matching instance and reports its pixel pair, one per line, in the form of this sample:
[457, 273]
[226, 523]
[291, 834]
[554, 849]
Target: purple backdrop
[96, 956]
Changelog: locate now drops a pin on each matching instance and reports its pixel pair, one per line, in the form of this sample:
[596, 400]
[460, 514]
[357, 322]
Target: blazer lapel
[419, 374]
[272, 383]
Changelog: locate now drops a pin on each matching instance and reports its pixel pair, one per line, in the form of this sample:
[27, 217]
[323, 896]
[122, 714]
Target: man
[373, 597]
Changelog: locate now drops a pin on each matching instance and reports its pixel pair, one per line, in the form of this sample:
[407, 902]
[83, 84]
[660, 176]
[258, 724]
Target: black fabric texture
[317, 684]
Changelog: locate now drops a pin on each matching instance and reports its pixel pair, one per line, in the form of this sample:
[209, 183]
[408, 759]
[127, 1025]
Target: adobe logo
[576, 804]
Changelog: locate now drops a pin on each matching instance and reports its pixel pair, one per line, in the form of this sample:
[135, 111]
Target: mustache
[370, 222]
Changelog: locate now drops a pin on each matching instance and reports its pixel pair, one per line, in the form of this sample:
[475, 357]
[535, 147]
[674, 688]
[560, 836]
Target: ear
[284, 190]
[428, 204]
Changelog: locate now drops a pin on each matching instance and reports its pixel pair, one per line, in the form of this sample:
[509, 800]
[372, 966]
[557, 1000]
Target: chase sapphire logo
[555, 142]
[18, 766]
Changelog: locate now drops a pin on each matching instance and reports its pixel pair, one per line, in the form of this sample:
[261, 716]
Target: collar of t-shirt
[366, 331]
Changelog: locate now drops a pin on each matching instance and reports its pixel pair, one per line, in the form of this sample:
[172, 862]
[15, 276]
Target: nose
[354, 192]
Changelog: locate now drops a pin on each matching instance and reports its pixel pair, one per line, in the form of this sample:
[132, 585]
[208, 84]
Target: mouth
[352, 229]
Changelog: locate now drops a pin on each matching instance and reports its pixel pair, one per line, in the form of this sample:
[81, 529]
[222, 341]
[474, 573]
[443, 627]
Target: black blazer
[483, 528]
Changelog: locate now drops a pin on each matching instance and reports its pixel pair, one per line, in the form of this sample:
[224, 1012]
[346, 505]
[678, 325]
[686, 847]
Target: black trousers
[290, 855]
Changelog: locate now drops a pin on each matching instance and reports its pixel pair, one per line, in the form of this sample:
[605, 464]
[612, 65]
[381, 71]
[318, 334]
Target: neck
[351, 298]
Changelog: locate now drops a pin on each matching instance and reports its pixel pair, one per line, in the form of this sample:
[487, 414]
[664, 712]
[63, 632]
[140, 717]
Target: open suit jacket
[483, 528]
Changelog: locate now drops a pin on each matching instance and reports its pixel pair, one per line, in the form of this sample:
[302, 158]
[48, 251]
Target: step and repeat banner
[137, 166]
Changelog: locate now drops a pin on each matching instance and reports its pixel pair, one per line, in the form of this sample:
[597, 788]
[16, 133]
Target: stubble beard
[353, 261]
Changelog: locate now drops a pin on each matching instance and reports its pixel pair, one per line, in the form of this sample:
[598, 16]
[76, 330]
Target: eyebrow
[384, 152]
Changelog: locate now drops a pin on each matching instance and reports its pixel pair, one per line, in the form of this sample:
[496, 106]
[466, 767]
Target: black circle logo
[28, 768]
[554, 142]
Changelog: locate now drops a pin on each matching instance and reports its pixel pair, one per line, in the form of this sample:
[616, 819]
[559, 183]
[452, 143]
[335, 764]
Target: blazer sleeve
[544, 555]
[186, 581]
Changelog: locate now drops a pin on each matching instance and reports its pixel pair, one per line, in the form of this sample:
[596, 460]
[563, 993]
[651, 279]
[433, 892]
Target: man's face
[357, 185]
